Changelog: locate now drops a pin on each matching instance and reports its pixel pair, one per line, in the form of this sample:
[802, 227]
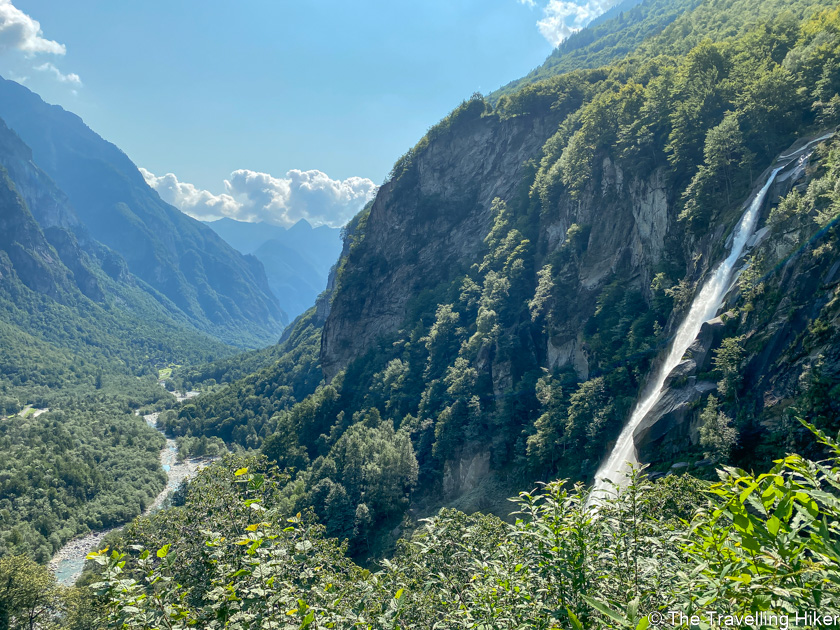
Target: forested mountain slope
[503, 299]
[80, 343]
[608, 38]
[495, 314]
[219, 290]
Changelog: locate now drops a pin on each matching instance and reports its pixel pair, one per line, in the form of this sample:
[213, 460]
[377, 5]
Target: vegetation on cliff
[468, 370]
[516, 359]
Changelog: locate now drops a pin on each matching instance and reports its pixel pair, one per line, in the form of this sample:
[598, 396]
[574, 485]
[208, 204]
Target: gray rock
[426, 226]
[666, 425]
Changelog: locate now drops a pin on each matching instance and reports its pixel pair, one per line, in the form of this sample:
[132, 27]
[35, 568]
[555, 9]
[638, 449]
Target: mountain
[243, 236]
[531, 272]
[219, 290]
[513, 287]
[297, 260]
[81, 340]
[609, 37]
[25, 248]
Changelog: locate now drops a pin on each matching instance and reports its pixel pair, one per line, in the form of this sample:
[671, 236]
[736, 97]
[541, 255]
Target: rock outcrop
[425, 227]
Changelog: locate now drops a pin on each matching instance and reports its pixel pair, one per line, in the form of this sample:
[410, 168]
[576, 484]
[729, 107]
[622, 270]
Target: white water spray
[704, 307]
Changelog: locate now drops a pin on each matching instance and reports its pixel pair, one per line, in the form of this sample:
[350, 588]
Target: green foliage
[693, 112]
[246, 410]
[606, 40]
[88, 462]
[29, 595]
[749, 544]
[727, 361]
[466, 112]
[717, 435]
[724, 174]
[65, 473]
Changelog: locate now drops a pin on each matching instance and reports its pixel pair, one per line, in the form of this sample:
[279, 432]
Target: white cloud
[58, 75]
[528, 3]
[561, 18]
[21, 35]
[253, 196]
[20, 32]
[193, 201]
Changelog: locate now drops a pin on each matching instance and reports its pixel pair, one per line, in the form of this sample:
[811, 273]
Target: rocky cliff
[24, 249]
[426, 227]
[508, 294]
[782, 312]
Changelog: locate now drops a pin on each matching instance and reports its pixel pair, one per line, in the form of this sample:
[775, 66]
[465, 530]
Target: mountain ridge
[221, 291]
[297, 259]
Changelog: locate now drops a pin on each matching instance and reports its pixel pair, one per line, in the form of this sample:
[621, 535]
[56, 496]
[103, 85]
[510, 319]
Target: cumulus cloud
[18, 31]
[561, 18]
[58, 75]
[253, 196]
[193, 201]
[21, 35]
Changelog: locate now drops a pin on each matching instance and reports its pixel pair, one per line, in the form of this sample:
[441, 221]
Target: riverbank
[68, 562]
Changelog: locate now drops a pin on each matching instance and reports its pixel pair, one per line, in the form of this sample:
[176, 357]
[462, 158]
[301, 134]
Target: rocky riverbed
[68, 562]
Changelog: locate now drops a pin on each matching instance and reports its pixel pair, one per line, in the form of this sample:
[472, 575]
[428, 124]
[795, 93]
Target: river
[68, 562]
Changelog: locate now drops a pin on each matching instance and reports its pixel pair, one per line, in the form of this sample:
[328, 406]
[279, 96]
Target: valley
[574, 365]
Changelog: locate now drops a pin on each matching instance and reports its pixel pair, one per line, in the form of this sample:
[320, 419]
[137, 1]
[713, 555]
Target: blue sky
[206, 89]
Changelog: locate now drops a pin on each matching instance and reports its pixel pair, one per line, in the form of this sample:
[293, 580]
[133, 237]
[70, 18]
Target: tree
[362, 523]
[283, 447]
[723, 173]
[727, 361]
[717, 435]
[29, 595]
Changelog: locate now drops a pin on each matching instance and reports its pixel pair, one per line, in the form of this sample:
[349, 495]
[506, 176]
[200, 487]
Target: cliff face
[51, 211]
[27, 252]
[627, 222]
[514, 286]
[605, 319]
[424, 232]
[48, 205]
[427, 227]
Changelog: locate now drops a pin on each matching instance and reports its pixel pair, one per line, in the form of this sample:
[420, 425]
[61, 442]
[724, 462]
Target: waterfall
[705, 306]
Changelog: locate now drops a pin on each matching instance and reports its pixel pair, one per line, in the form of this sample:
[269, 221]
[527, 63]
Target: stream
[68, 562]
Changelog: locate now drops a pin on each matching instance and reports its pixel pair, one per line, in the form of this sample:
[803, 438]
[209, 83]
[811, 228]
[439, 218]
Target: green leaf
[606, 610]
[240, 472]
[308, 619]
[163, 551]
[575, 621]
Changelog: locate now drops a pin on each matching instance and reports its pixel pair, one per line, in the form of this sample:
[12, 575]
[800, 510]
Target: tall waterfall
[704, 307]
